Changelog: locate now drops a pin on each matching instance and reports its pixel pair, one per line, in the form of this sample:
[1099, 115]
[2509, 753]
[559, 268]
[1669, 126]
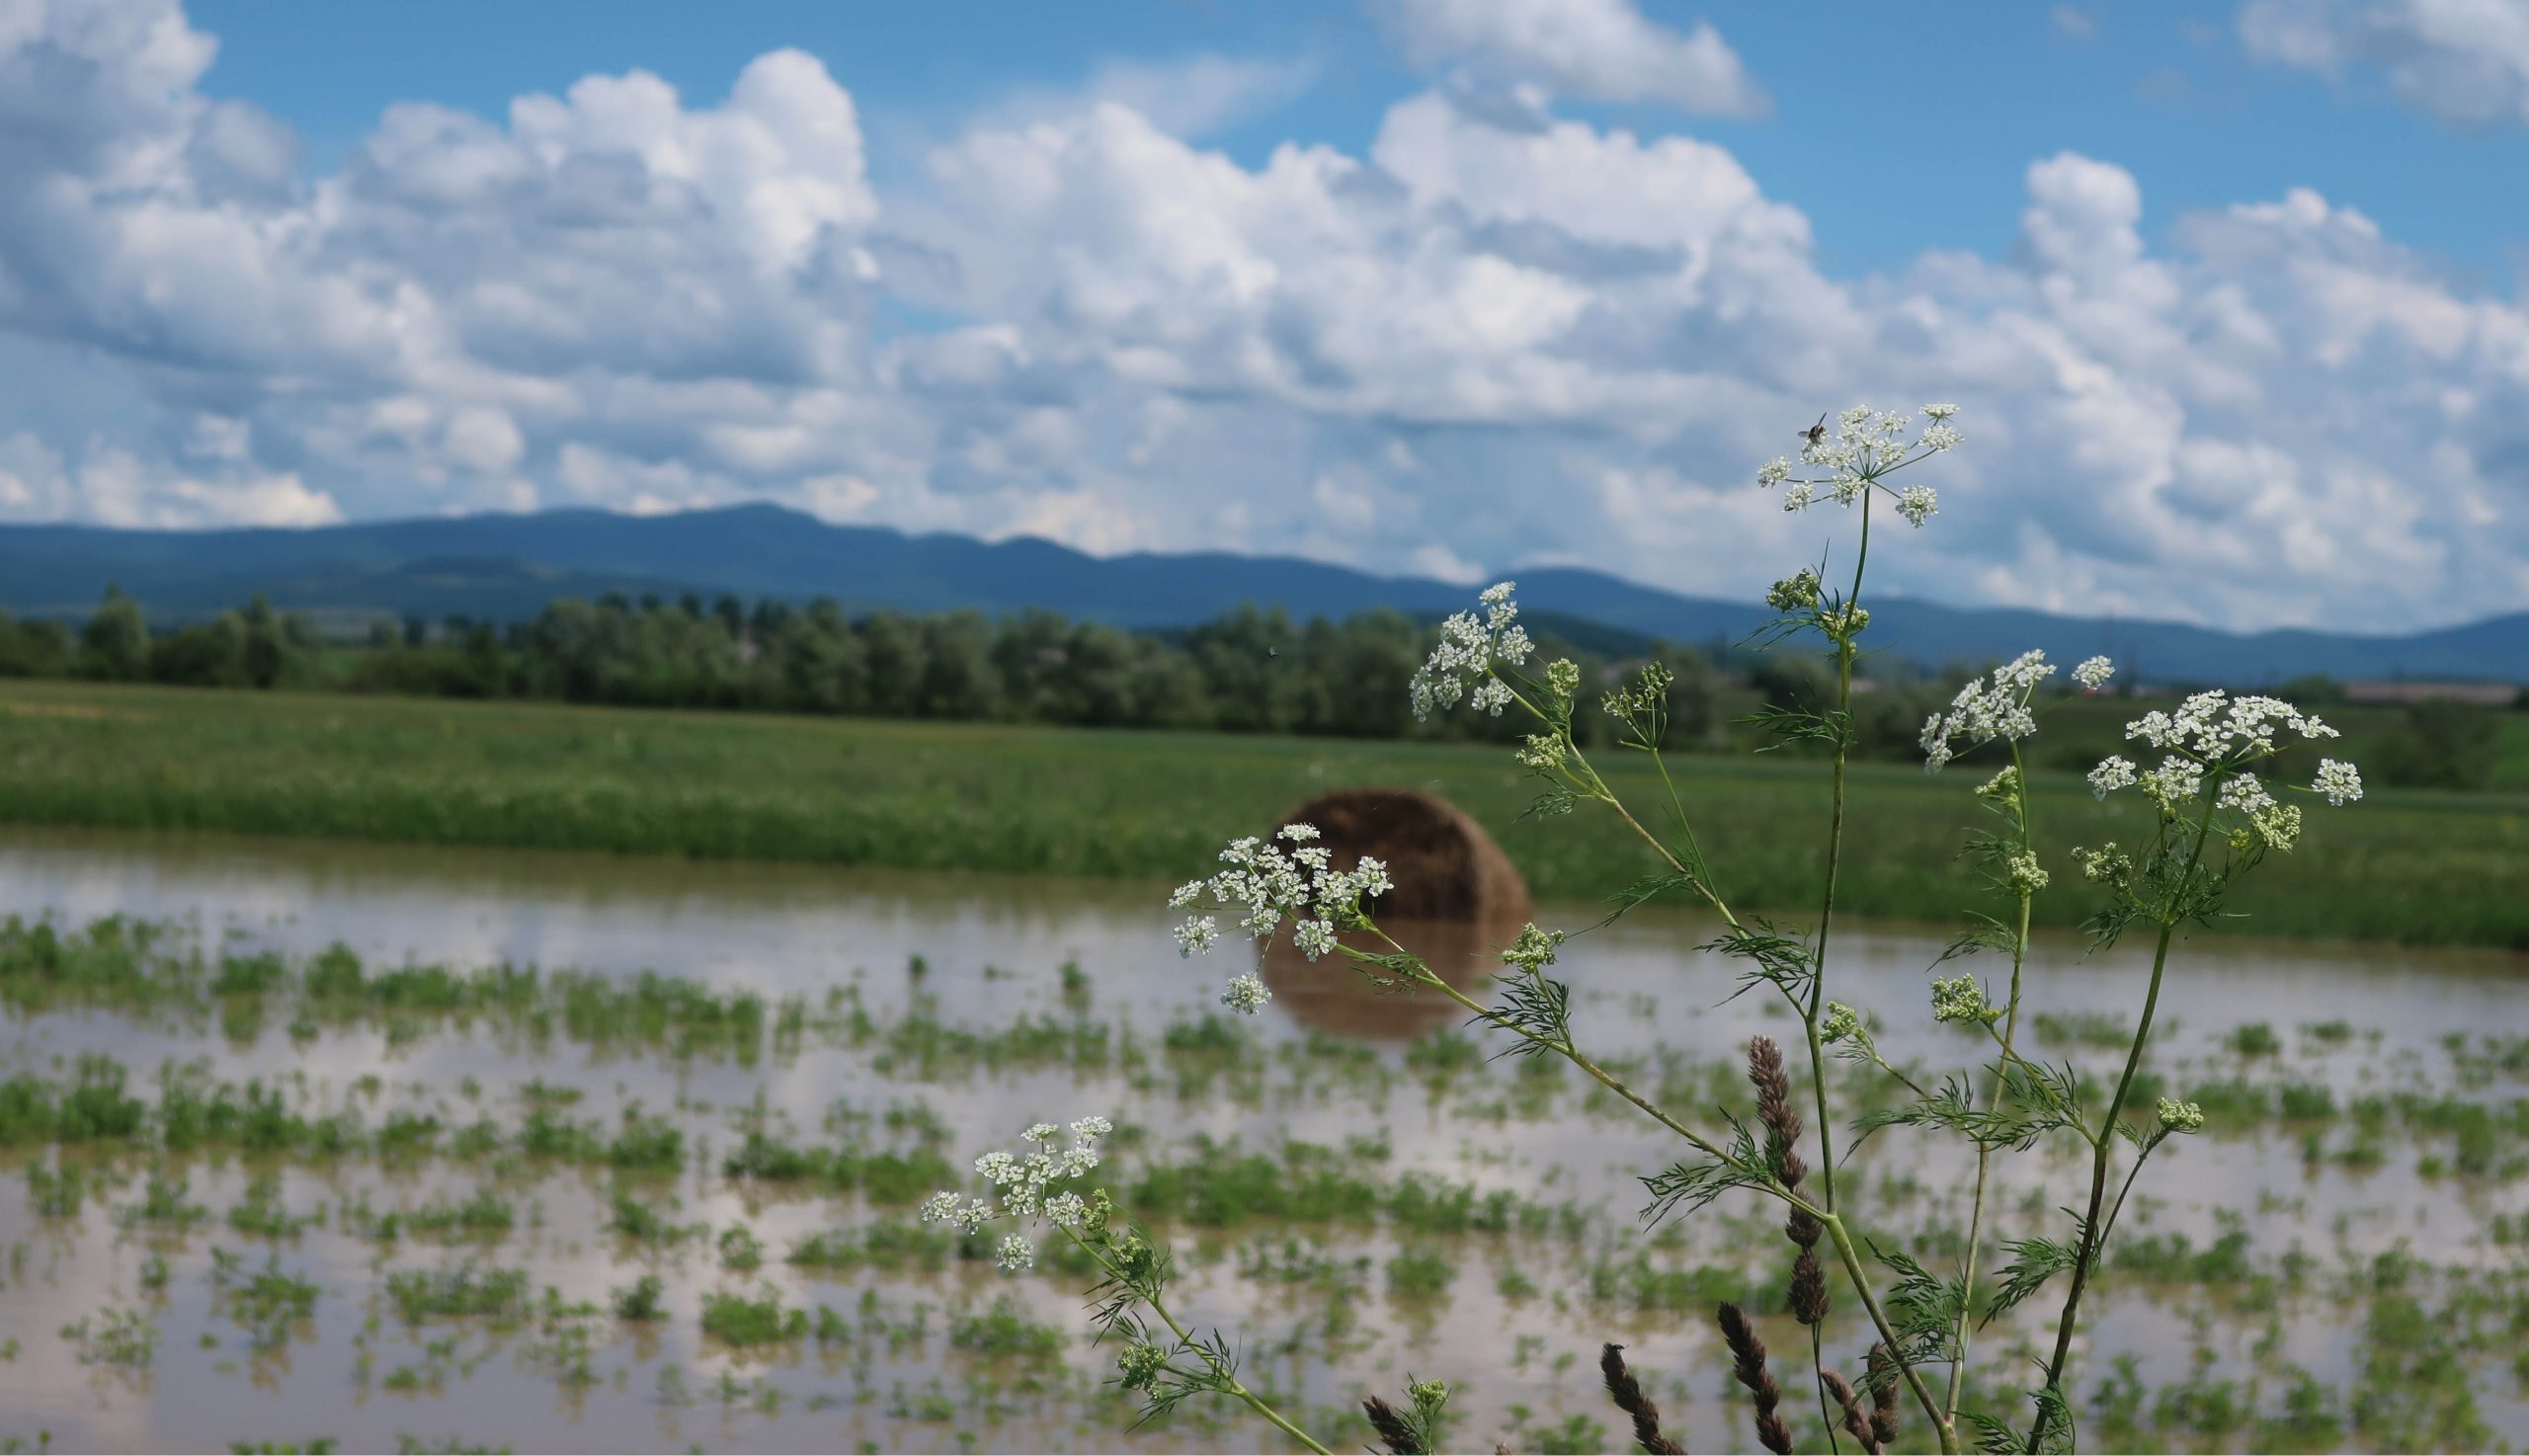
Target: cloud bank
[1500, 335]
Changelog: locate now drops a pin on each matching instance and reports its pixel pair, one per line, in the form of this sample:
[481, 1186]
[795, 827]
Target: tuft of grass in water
[1004, 1332]
[461, 1293]
[640, 1300]
[126, 1339]
[743, 1320]
[2255, 1039]
[1419, 1273]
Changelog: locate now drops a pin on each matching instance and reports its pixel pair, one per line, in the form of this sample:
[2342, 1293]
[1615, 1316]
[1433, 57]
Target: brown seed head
[1629, 1397]
[1855, 1421]
[1748, 1363]
[1392, 1427]
[1808, 1296]
[1881, 1377]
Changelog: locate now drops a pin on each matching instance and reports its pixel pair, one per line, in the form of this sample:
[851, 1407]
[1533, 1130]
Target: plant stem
[1942, 1425]
[1985, 1154]
[1818, 1378]
[2092, 1233]
[1835, 857]
[1187, 1340]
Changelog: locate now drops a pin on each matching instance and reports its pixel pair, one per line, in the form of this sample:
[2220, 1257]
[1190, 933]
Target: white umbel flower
[2339, 781]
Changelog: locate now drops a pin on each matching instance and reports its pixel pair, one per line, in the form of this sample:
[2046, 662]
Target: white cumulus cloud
[2463, 60]
[1494, 336]
[1597, 50]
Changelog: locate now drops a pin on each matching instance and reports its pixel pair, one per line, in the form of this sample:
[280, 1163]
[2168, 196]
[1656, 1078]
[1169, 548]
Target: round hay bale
[1446, 866]
[1458, 901]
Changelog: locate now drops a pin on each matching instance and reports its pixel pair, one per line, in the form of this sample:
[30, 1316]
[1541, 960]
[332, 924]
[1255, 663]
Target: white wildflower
[2177, 781]
[1015, 1254]
[2093, 672]
[1469, 651]
[1987, 709]
[1936, 413]
[2339, 781]
[1866, 446]
[2180, 1116]
[1314, 938]
[2111, 774]
[1245, 995]
[1196, 935]
[1066, 1210]
[1090, 1128]
[2242, 794]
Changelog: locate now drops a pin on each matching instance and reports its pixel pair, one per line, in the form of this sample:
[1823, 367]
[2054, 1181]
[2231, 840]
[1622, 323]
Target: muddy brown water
[992, 950]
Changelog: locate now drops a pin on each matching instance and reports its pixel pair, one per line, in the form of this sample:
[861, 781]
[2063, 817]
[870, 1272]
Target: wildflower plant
[1159, 1359]
[2213, 817]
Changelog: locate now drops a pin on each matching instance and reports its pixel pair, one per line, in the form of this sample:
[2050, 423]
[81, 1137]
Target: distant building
[2490, 695]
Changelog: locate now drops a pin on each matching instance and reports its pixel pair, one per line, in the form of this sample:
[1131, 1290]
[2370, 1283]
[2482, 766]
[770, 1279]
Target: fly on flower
[1817, 431]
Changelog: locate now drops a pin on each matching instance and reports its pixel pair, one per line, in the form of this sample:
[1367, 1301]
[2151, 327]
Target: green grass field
[2423, 867]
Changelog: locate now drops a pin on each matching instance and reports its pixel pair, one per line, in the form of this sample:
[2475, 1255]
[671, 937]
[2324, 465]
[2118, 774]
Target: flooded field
[481, 1150]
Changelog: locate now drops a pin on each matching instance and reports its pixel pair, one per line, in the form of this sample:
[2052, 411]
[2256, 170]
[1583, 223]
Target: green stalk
[1834, 856]
[2092, 1233]
[1984, 1153]
[1229, 1382]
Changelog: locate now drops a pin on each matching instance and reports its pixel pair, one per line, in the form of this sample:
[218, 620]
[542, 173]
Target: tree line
[1249, 671]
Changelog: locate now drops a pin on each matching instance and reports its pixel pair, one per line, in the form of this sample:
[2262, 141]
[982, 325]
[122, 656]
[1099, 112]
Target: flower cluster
[2213, 727]
[2180, 1116]
[1987, 709]
[1264, 883]
[2022, 873]
[1867, 445]
[1797, 592]
[1462, 665]
[1840, 1022]
[1961, 1000]
[1533, 951]
[2093, 672]
[2216, 732]
[1024, 1185]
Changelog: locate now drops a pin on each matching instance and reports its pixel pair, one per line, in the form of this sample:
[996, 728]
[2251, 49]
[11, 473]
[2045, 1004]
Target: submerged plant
[2213, 819]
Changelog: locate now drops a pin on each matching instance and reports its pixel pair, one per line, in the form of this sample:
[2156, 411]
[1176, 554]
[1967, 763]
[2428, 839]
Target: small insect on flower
[1817, 431]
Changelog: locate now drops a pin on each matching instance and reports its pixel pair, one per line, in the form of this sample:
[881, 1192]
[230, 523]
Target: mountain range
[505, 567]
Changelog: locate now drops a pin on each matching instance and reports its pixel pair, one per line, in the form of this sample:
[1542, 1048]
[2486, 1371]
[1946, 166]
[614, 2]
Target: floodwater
[1330, 1063]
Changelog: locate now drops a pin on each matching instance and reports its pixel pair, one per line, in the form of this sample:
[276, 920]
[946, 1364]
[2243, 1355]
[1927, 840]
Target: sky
[2229, 296]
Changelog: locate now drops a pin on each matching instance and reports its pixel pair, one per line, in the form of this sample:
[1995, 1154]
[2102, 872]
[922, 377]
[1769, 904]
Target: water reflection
[993, 951]
[1339, 996]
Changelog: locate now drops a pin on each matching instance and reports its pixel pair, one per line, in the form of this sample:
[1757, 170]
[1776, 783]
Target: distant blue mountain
[506, 567]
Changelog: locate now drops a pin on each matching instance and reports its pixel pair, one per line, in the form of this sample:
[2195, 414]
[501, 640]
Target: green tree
[115, 645]
[2440, 744]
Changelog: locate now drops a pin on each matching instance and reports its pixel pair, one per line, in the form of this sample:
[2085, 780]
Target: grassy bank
[2411, 866]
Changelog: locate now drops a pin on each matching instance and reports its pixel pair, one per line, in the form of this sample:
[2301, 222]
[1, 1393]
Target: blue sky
[2160, 88]
[2231, 295]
